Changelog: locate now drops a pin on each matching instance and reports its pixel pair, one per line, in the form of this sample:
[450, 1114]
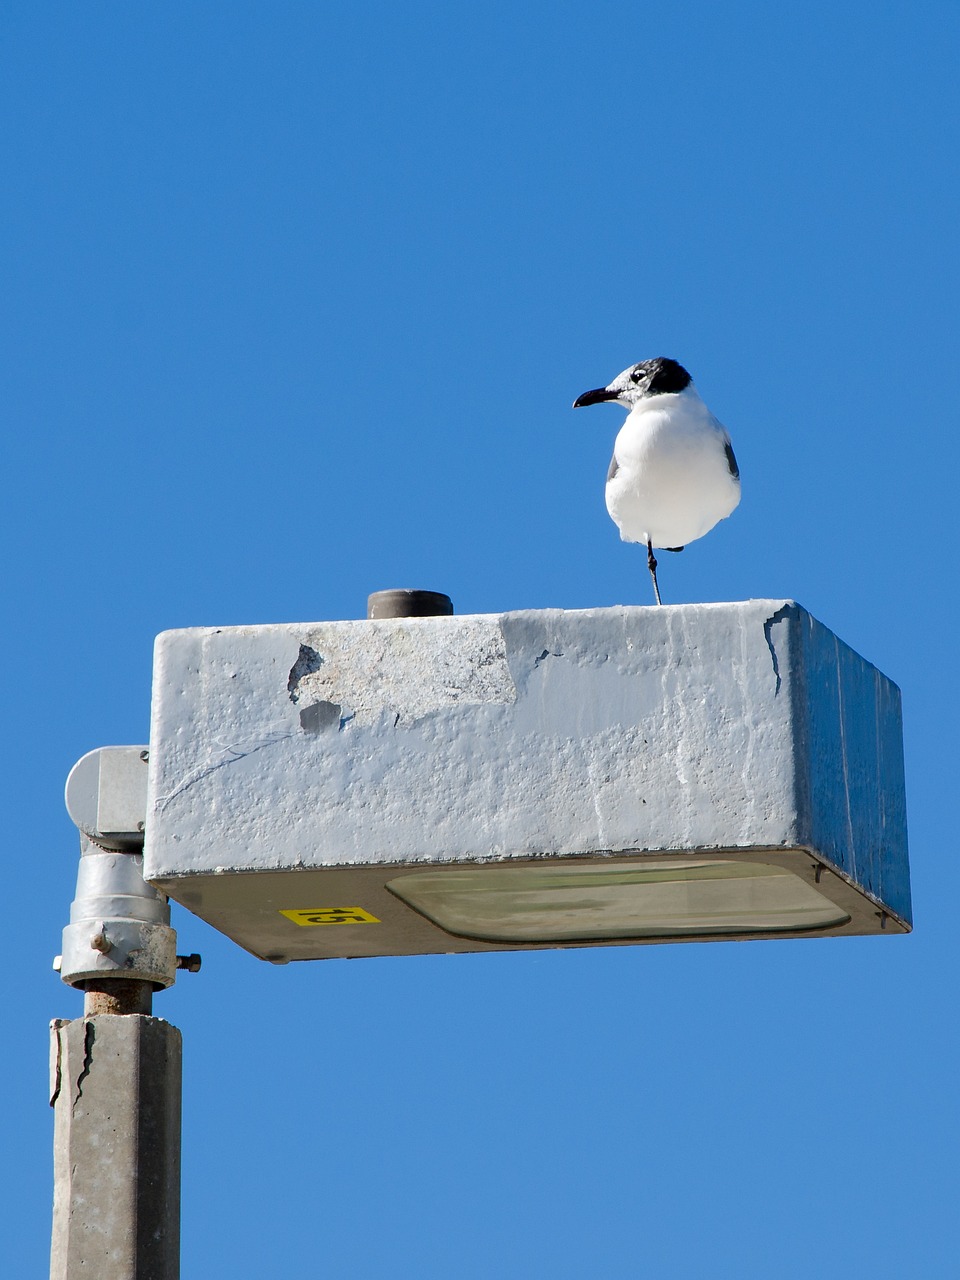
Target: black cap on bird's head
[657, 377]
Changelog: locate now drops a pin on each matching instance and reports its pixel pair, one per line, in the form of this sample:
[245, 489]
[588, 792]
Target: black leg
[652, 566]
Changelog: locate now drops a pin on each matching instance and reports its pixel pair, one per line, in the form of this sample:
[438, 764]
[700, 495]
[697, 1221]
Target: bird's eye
[636, 375]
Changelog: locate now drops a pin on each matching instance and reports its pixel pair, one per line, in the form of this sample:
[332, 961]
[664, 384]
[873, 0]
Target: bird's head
[657, 377]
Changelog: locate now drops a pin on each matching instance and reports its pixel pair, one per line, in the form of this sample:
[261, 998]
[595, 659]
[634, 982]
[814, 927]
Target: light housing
[545, 778]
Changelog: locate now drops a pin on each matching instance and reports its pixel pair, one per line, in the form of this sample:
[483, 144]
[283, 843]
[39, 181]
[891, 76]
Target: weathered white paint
[683, 728]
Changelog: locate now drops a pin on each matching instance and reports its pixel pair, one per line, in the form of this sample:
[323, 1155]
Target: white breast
[672, 481]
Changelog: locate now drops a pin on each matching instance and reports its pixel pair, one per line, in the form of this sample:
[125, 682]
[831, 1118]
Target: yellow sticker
[331, 915]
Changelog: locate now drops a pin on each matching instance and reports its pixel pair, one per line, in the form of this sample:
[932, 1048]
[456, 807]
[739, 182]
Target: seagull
[673, 474]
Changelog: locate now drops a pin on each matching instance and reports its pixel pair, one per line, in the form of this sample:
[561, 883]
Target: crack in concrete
[231, 755]
[89, 1036]
[780, 615]
[56, 1072]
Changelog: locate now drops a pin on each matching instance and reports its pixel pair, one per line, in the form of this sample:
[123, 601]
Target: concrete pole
[116, 1081]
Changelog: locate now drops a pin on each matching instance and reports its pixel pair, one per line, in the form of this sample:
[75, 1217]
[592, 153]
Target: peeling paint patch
[406, 668]
[320, 716]
[308, 661]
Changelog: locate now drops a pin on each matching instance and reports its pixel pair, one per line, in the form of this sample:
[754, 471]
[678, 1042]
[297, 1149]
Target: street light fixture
[434, 784]
[418, 782]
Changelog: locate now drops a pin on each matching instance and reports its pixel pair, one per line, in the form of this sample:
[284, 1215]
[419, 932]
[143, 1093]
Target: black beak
[595, 397]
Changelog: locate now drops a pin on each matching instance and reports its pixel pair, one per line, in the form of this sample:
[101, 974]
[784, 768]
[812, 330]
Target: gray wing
[731, 458]
[613, 468]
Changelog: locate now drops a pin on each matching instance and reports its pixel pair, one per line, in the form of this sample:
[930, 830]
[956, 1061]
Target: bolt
[57, 963]
[144, 755]
[191, 963]
[100, 942]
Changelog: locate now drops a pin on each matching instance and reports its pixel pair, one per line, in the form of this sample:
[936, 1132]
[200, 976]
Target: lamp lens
[652, 898]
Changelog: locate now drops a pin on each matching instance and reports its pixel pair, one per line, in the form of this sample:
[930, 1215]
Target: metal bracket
[106, 796]
[119, 925]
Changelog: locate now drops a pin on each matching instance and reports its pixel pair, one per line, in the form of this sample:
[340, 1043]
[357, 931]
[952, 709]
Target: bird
[673, 474]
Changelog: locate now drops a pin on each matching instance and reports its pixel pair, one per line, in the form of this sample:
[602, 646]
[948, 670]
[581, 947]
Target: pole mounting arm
[119, 924]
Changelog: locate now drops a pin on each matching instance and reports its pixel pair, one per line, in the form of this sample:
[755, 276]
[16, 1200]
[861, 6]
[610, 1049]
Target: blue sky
[296, 301]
